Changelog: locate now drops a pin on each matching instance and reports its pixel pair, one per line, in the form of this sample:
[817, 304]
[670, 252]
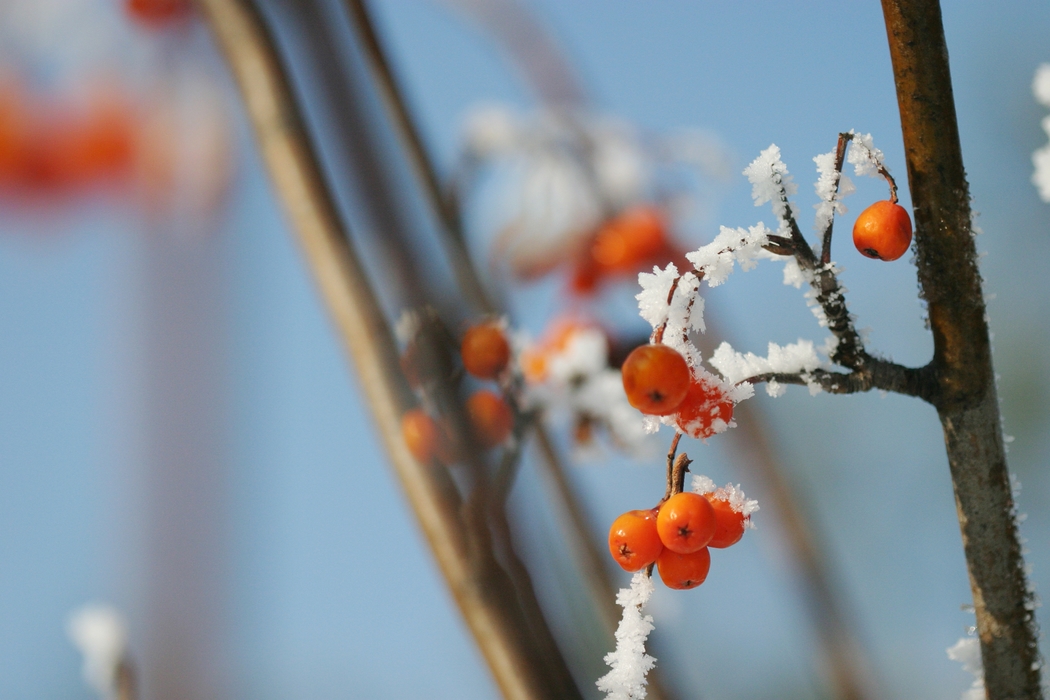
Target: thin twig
[840, 157]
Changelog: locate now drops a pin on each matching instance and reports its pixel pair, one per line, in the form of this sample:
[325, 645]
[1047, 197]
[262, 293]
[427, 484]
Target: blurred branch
[964, 380]
[589, 557]
[295, 171]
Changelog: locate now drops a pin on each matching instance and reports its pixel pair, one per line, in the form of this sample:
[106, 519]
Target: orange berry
[421, 434]
[883, 231]
[491, 418]
[683, 571]
[157, 12]
[701, 409]
[656, 379]
[633, 540]
[686, 522]
[729, 524]
[485, 350]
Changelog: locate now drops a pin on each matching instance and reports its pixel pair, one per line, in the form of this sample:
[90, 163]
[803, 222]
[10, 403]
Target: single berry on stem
[485, 350]
[633, 540]
[686, 522]
[490, 418]
[883, 231]
[729, 524]
[656, 379]
[683, 571]
[421, 434]
[704, 411]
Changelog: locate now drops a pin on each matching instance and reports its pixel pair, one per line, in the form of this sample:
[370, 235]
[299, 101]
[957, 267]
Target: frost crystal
[99, 632]
[1041, 156]
[831, 187]
[863, 156]
[788, 359]
[732, 245]
[630, 663]
[770, 181]
[738, 501]
[967, 651]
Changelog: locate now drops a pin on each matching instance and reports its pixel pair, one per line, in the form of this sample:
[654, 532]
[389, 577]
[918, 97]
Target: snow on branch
[101, 635]
[831, 186]
[715, 260]
[771, 182]
[629, 663]
[793, 358]
[967, 651]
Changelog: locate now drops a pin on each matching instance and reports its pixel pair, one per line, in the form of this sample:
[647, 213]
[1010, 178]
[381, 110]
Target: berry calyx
[705, 410]
[485, 350]
[633, 540]
[729, 524]
[421, 434]
[686, 522]
[683, 571]
[883, 231]
[656, 379]
[490, 417]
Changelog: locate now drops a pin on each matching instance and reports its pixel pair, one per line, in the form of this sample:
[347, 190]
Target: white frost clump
[770, 181]
[732, 245]
[99, 632]
[491, 129]
[1041, 156]
[630, 663]
[831, 187]
[738, 501]
[863, 156]
[788, 359]
[967, 651]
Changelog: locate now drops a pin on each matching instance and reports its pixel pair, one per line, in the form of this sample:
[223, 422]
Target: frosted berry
[883, 231]
[633, 540]
[686, 522]
[655, 378]
[683, 571]
[704, 411]
[490, 418]
[729, 524]
[485, 350]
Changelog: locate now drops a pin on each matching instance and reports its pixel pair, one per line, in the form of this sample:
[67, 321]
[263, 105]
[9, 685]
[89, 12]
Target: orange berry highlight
[633, 540]
[704, 410]
[421, 434]
[883, 231]
[686, 522]
[656, 379]
[729, 524]
[490, 417]
[683, 571]
[485, 350]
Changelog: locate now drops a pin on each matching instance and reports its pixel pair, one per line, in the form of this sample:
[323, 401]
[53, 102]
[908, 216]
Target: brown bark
[965, 395]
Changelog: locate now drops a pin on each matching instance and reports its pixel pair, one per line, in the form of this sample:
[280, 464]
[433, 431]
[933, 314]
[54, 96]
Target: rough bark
[965, 395]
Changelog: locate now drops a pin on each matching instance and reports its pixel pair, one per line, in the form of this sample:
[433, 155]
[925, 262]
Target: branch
[965, 396]
[877, 374]
[840, 157]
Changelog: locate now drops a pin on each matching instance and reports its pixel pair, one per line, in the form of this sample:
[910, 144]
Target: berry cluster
[659, 382]
[485, 354]
[677, 534]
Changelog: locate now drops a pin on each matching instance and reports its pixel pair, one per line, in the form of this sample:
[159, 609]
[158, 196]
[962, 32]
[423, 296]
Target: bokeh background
[181, 435]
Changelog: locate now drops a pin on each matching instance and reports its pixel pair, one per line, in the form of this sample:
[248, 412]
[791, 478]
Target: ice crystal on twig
[967, 651]
[732, 245]
[738, 501]
[99, 632]
[1041, 156]
[629, 663]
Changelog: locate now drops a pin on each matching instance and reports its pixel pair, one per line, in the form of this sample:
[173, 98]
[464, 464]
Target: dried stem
[670, 466]
[840, 157]
[965, 394]
[296, 174]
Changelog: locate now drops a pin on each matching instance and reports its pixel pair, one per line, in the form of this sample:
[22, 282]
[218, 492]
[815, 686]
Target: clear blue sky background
[331, 591]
